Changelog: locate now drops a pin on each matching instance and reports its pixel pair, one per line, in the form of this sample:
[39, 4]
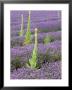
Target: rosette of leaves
[32, 63]
[22, 26]
[16, 63]
[28, 33]
[48, 39]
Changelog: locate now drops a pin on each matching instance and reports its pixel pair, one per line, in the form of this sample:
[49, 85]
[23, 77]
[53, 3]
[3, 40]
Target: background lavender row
[42, 27]
[35, 15]
[46, 23]
[39, 19]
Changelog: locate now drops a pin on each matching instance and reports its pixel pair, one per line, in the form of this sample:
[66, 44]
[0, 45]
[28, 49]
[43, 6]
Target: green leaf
[33, 60]
[28, 33]
[48, 39]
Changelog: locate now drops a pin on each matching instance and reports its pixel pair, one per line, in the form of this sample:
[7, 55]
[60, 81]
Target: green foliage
[22, 27]
[42, 58]
[55, 57]
[28, 33]
[28, 25]
[27, 38]
[32, 63]
[16, 63]
[20, 33]
[48, 39]
[33, 60]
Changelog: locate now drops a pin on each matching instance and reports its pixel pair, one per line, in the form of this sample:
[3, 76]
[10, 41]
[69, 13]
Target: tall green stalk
[28, 33]
[33, 61]
[22, 26]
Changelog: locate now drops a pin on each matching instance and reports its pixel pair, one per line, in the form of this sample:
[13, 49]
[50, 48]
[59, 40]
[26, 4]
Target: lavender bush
[46, 52]
[18, 41]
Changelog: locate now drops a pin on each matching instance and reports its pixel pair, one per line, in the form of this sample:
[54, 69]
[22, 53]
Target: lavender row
[25, 52]
[33, 20]
[55, 35]
[35, 15]
[42, 26]
[17, 41]
[47, 71]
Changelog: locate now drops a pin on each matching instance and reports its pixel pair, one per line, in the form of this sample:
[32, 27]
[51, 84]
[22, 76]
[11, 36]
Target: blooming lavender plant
[22, 26]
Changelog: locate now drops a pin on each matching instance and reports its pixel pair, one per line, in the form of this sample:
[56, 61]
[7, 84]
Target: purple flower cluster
[47, 71]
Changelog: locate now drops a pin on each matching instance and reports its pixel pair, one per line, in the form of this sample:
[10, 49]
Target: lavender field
[35, 44]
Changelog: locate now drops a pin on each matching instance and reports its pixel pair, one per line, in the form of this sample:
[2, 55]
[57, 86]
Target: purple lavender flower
[47, 71]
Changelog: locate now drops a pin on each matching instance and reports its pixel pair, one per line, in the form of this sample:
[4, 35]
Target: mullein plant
[48, 39]
[32, 63]
[22, 26]
[28, 33]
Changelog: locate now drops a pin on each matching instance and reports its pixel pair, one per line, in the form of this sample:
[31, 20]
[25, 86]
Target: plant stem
[22, 27]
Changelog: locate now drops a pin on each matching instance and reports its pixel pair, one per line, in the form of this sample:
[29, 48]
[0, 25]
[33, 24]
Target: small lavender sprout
[33, 61]
[28, 33]
[22, 26]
